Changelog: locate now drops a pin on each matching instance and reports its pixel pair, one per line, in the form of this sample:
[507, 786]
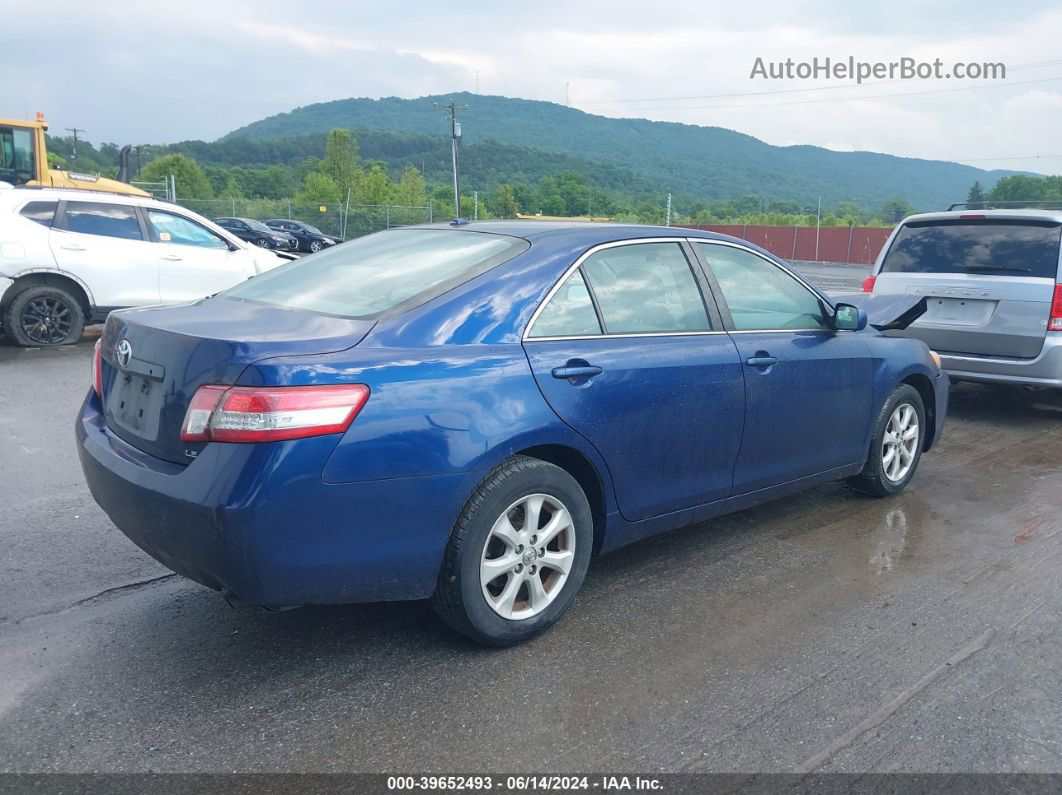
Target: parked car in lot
[258, 233]
[309, 238]
[993, 281]
[469, 412]
[68, 257]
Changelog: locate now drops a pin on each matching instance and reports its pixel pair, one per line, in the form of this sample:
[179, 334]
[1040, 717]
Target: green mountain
[689, 160]
[483, 165]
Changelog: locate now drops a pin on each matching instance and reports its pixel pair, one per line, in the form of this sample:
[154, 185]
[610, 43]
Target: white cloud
[194, 68]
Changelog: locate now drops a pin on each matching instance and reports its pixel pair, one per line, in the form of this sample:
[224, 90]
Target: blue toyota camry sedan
[470, 412]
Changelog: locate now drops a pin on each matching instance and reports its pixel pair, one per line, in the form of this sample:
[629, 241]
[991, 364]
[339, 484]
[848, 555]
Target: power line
[851, 99]
[1037, 65]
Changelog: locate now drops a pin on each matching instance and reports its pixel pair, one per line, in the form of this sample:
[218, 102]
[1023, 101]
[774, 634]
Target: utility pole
[475, 205]
[668, 210]
[568, 94]
[455, 139]
[477, 81]
[818, 225]
[75, 131]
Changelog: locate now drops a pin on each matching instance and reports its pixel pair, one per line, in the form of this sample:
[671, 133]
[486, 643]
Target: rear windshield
[1000, 248]
[375, 274]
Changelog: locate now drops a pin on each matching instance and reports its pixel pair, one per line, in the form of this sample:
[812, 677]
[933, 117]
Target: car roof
[47, 193]
[1005, 214]
[588, 232]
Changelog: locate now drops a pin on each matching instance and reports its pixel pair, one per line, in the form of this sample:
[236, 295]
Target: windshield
[257, 226]
[377, 273]
[313, 230]
[1011, 248]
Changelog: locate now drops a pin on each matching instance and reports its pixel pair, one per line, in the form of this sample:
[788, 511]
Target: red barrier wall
[859, 244]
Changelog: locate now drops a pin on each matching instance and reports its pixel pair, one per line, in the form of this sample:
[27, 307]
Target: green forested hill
[484, 164]
[692, 161]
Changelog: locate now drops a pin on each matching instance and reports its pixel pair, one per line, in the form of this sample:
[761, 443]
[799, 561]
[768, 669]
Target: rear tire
[43, 316]
[507, 575]
[896, 446]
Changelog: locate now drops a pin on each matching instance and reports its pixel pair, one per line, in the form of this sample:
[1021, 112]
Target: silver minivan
[993, 284]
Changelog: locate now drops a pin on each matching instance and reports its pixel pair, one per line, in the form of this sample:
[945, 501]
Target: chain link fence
[333, 218]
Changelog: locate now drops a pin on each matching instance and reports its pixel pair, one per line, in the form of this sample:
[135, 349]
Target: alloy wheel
[900, 443]
[47, 320]
[315, 246]
[527, 556]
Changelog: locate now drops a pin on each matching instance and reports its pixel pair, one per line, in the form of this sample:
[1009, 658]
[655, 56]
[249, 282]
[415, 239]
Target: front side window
[172, 228]
[107, 220]
[569, 313]
[41, 212]
[646, 288]
[760, 295]
[377, 273]
[17, 164]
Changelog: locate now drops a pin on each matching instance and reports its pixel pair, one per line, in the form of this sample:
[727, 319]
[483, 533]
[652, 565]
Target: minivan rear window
[375, 274]
[982, 247]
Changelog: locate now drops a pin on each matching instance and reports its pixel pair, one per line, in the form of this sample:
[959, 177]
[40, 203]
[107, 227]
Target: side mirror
[849, 318]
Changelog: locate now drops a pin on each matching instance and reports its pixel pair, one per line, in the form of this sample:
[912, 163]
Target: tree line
[513, 185]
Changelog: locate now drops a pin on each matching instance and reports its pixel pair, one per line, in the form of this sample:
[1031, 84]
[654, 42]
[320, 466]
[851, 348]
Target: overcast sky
[136, 72]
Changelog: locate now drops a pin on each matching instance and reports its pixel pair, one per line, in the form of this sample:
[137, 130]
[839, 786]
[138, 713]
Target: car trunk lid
[154, 359]
[988, 282]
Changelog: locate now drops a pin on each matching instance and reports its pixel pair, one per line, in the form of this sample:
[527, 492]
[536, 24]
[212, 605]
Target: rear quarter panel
[432, 411]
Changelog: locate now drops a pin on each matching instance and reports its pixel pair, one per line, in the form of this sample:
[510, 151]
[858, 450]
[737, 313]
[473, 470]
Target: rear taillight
[97, 372]
[270, 414]
[1054, 323]
[868, 284]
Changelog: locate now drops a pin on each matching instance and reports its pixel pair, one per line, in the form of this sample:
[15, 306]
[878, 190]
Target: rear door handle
[72, 247]
[585, 371]
[171, 257]
[761, 361]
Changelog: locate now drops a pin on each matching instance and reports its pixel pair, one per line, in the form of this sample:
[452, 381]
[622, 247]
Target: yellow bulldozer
[24, 161]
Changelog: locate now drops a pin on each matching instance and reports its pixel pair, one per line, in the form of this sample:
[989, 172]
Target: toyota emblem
[124, 352]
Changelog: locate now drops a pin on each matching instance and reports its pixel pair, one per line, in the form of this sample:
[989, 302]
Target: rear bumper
[258, 520]
[1045, 370]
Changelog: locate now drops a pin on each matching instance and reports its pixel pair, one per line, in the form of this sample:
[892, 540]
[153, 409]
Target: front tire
[517, 555]
[896, 446]
[262, 243]
[315, 246]
[44, 317]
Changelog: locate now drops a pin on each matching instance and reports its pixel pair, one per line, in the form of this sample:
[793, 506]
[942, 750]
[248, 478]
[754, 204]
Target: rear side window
[1000, 248]
[41, 212]
[569, 313]
[377, 273]
[646, 288]
[107, 220]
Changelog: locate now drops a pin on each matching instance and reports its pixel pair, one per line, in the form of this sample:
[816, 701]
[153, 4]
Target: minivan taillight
[97, 372]
[868, 284]
[270, 414]
[1054, 323]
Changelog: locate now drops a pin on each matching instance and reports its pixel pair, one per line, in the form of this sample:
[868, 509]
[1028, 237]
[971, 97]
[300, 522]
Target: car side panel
[431, 411]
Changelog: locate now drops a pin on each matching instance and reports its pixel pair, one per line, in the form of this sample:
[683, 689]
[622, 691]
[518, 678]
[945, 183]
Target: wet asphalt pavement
[828, 631]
